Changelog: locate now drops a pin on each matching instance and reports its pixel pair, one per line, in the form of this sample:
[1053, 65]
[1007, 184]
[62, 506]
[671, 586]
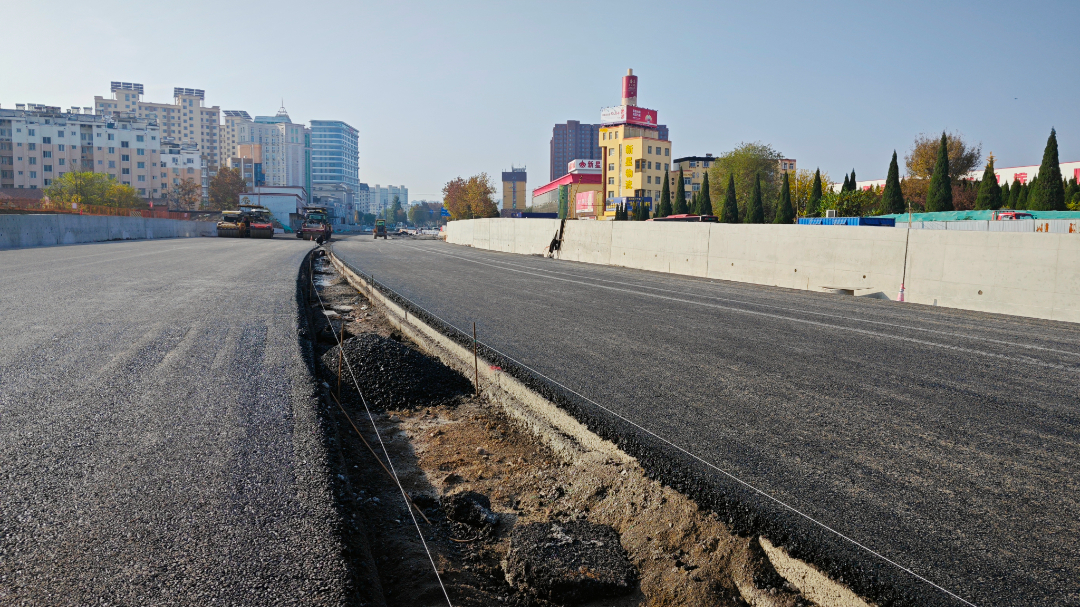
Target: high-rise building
[186, 119]
[635, 151]
[277, 146]
[231, 121]
[334, 154]
[572, 141]
[379, 198]
[42, 143]
[515, 194]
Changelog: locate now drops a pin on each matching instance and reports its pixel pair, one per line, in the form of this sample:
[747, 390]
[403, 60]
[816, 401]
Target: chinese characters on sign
[584, 166]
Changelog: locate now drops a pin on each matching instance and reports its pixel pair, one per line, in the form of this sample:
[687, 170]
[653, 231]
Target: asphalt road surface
[945, 441]
[158, 438]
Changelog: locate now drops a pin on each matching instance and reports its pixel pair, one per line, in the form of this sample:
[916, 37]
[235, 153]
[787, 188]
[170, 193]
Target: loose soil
[443, 440]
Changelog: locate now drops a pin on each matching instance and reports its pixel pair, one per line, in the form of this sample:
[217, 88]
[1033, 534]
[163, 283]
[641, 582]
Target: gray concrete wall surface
[19, 231]
[1033, 274]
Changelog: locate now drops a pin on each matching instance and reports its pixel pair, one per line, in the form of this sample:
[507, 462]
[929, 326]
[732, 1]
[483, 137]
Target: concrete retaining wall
[1025, 274]
[18, 231]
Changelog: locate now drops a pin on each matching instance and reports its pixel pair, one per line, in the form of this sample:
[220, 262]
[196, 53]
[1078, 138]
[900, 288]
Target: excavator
[249, 221]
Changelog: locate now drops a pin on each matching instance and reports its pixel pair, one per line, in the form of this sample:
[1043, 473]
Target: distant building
[334, 154]
[186, 119]
[339, 199]
[232, 120]
[40, 143]
[635, 151]
[570, 141]
[1010, 175]
[515, 194]
[694, 169]
[278, 145]
[380, 198]
[182, 162]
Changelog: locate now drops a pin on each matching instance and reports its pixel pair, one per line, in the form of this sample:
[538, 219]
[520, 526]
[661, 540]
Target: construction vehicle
[380, 228]
[249, 221]
[259, 222]
[316, 225]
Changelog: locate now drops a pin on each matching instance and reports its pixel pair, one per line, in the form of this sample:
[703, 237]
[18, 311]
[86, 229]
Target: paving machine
[233, 224]
[249, 221]
[380, 228]
[259, 223]
[316, 224]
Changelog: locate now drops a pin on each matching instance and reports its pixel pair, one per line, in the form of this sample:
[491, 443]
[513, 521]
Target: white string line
[1022, 359]
[386, 453]
[707, 463]
[764, 305]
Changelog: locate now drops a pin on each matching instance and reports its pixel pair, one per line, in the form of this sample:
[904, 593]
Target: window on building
[123, 144]
[46, 154]
[665, 166]
[60, 134]
[62, 161]
[30, 132]
[112, 150]
[141, 165]
[138, 137]
[125, 171]
[31, 146]
[667, 151]
[47, 168]
[46, 140]
[650, 149]
[60, 147]
[33, 174]
[141, 178]
[32, 160]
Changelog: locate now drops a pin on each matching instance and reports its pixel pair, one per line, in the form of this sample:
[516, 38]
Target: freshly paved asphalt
[158, 438]
[946, 441]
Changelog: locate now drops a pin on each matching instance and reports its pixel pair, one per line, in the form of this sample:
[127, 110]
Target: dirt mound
[392, 375]
[569, 562]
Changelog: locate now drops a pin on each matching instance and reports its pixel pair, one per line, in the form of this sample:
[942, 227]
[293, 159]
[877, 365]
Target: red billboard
[628, 114]
[629, 87]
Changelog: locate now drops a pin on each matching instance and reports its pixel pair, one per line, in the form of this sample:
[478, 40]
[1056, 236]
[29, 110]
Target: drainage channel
[504, 473]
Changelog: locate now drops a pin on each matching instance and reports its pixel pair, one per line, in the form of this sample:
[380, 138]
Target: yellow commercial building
[635, 151]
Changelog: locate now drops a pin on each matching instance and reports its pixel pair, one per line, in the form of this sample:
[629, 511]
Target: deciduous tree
[185, 195]
[81, 188]
[751, 163]
[225, 189]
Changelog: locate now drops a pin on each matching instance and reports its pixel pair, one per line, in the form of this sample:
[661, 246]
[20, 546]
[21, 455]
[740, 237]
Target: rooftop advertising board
[628, 114]
[584, 166]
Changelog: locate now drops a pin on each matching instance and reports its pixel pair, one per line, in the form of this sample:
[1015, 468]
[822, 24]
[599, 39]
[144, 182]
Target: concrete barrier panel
[1020, 273]
[587, 241]
[678, 248]
[17, 231]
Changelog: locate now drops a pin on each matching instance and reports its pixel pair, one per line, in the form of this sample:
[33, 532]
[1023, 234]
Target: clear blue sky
[443, 89]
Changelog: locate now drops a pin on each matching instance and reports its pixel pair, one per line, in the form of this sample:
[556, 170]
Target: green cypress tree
[1014, 194]
[814, 202]
[784, 211]
[851, 184]
[1022, 197]
[695, 203]
[939, 197]
[1070, 191]
[729, 211]
[756, 211]
[706, 196]
[989, 196]
[844, 187]
[678, 206]
[1048, 194]
[1005, 204]
[664, 208]
[892, 199]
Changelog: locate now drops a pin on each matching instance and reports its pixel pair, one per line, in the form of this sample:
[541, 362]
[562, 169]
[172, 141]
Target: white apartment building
[182, 161]
[42, 143]
[278, 147]
[186, 120]
[378, 198]
[231, 123]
